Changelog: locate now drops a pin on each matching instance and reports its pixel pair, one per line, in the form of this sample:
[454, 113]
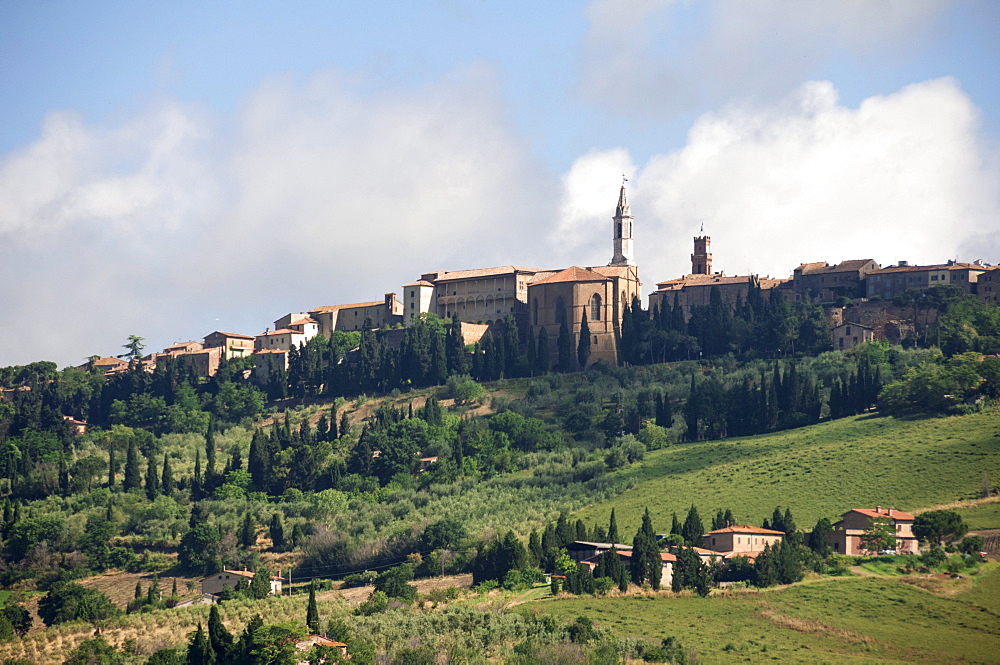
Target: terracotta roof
[823, 267]
[890, 513]
[613, 271]
[944, 266]
[420, 282]
[108, 362]
[257, 353]
[229, 334]
[572, 274]
[452, 275]
[283, 331]
[746, 528]
[181, 345]
[713, 280]
[319, 640]
[333, 308]
[664, 556]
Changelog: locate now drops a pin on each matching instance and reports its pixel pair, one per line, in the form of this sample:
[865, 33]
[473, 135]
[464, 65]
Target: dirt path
[960, 505]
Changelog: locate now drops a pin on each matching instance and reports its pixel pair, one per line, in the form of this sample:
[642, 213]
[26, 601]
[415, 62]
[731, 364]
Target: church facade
[540, 300]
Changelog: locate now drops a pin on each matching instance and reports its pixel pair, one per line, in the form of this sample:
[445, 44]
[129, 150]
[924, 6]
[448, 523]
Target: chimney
[878, 509]
[903, 264]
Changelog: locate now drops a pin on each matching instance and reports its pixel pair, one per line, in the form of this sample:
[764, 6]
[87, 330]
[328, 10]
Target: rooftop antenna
[624, 180]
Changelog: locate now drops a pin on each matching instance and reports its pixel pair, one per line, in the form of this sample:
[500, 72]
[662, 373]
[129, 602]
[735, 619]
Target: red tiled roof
[228, 334]
[420, 282]
[452, 275]
[746, 528]
[283, 331]
[945, 266]
[823, 267]
[572, 274]
[664, 556]
[333, 308]
[890, 513]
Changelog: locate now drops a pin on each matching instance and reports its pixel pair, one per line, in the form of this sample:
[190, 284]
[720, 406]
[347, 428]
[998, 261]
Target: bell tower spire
[622, 231]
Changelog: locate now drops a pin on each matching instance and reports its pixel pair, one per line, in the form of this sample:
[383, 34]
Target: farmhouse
[213, 584]
[741, 539]
[846, 535]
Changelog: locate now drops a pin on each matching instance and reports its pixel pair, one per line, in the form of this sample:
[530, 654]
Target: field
[832, 620]
[818, 471]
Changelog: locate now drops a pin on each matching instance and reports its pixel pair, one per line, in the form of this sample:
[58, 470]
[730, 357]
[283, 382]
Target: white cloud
[657, 58]
[807, 179]
[173, 223]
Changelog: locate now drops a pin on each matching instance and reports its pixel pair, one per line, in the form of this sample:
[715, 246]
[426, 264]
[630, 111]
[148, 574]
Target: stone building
[742, 539]
[848, 335]
[695, 289]
[387, 312]
[888, 283]
[483, 295]
[283, 339]
[233, 345]
[846, 535]
[213, 584]
[988, 286]
[267, 361]
[300, 322]
[821, 282]
[602, 292]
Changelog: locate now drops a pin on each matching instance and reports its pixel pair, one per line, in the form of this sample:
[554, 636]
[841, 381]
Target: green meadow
[818, 471]
[831, 620]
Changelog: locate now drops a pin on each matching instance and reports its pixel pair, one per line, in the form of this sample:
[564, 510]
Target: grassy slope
[819, 471]
[861, 619]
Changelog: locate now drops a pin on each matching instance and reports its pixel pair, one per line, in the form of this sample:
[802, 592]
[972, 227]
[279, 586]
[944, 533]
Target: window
[848, 330]
[595, 308]
[560, 310]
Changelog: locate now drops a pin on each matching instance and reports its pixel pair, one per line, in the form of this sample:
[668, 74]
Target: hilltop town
[861, 300]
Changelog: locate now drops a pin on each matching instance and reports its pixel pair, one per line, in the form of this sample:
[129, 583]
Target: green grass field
[982, 517]
[818, 471]
[853, 619]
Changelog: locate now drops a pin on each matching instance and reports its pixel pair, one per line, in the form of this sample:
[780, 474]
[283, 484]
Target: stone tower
[701, 260]
[623, 233]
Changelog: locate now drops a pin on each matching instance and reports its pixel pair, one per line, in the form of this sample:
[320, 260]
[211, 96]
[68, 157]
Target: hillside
[843, 620]
[818, 471]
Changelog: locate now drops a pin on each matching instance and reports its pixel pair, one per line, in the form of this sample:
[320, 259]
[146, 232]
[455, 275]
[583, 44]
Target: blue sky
[167, 169]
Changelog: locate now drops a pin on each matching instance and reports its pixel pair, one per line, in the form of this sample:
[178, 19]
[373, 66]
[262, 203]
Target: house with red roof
[741, 539]
[846, 535]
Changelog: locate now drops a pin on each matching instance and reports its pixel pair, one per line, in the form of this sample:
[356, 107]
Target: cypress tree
[277, 531]
[220, 639]
[152, 480]
[613, 529]
[111, 462]
[167, 477]
[248, 531]
[173, 589]
[345, 425]
[565, 347]
[132, 480]
[693, 527]
[197, 490]
[675, 525]
[455, 347]
[312, 612]
[260, 585]
[138, 590]
[199, 650]
[583, 346]
[542, 356]
[210, 479]
[581, 530]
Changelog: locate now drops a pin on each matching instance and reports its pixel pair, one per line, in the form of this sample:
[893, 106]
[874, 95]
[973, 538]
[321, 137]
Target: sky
[170, 169]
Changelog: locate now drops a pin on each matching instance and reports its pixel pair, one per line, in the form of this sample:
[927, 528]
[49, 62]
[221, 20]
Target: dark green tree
[312, 612]
[248, 531]
[152, 480]
[167, 477]
[693, 527]
[219, 639]
[277, 532]
[583, 346]
[613, 536]
[199, 650]
[132, 479]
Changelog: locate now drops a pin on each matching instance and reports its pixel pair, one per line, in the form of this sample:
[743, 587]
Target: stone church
[541, 299]
[601, 293]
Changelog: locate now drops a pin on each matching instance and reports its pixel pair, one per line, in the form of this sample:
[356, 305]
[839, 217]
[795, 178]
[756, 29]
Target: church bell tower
[622, 228]
[701, 260]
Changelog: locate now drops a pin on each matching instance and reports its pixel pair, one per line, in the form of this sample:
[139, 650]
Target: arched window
[560, 310]
[595, 307]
